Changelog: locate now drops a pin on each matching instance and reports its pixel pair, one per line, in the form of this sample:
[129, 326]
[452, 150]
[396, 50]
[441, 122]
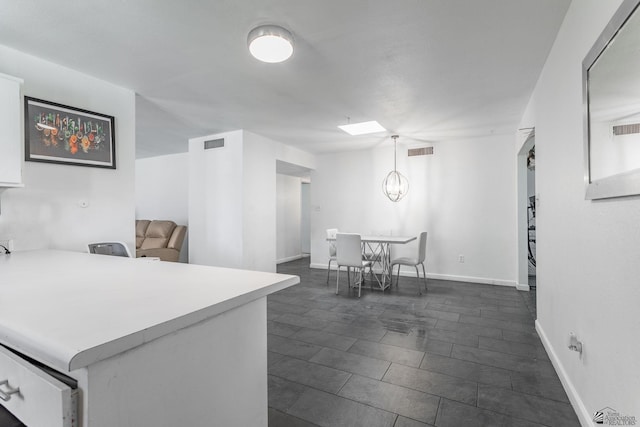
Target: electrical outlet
[574, 344]
[7, 243]
[461, 258]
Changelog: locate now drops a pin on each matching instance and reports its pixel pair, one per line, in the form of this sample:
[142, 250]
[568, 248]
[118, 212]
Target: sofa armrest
[177, 238]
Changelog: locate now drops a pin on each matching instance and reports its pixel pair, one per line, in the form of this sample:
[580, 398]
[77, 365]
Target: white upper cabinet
[10, 131]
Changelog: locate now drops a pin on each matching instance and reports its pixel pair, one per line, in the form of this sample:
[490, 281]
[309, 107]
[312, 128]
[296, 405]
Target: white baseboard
[322, 266]
[523, 287]
[291, 258]
[581, 411]
[469, 279]
[486, 281]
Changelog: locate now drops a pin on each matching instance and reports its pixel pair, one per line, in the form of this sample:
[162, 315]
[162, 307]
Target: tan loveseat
[162, 239]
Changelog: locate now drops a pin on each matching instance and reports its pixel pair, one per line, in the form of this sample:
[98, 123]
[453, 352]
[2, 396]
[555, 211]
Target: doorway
[527, 265]
[531, 216]
[293, 212]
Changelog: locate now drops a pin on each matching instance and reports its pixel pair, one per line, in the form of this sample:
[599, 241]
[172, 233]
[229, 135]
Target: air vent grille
[626, 129]
[422, 151]
[214, 143]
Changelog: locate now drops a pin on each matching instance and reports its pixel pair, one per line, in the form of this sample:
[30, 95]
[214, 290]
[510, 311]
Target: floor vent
[423, 151]
[214, 143]
[626, 129]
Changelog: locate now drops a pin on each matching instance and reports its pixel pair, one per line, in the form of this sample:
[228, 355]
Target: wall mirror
[611, 81]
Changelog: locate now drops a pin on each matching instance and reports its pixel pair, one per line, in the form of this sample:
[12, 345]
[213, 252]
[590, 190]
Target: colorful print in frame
[56, 133]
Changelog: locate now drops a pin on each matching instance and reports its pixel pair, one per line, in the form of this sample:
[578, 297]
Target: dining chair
[349, 254]
[110, 248]
[414, 262]
[331, 234]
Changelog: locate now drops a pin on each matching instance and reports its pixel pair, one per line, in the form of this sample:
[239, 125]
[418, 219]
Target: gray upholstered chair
[349, 254]
[110, 248]
[414, 262]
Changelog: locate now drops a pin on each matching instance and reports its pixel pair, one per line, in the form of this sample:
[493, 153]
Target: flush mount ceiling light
[395, 186]
[362, 128]
[270, 43]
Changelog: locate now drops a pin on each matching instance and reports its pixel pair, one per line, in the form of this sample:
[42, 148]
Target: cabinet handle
[6, 395]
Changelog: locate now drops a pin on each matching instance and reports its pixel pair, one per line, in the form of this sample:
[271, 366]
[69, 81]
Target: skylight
[362, 128]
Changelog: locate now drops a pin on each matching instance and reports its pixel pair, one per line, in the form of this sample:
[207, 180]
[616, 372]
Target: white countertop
[69, 309]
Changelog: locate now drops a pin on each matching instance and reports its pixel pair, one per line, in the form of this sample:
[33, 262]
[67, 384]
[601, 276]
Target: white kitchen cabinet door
[10, 131]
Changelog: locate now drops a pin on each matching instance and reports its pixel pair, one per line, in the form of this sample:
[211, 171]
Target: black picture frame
[56, 133]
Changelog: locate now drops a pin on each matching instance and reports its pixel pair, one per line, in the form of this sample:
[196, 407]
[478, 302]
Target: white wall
[588, 256]
[162, 191]
[259, 210]
[215, 201]
[288, 218]
[463, 196]
[294, 156]
[232, 199]
[46, 212]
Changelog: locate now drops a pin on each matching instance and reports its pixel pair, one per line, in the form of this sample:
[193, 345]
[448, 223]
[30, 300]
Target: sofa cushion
[141, 230]
[158, 234]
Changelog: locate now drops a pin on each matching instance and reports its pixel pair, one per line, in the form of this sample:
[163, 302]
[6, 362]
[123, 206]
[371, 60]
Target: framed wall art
[56, 133]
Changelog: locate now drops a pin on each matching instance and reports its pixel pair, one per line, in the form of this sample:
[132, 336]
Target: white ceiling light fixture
[270, 43]
[395, 186]
[362, 128]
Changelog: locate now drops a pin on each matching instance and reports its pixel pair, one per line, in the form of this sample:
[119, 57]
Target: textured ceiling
[424, 69]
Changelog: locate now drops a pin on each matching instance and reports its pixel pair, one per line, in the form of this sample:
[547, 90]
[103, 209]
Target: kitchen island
[149, 343]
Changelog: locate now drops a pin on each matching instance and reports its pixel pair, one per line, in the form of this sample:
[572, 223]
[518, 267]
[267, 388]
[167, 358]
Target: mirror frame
[622, 184]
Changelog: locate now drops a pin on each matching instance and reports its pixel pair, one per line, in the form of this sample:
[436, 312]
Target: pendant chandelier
[395, 186]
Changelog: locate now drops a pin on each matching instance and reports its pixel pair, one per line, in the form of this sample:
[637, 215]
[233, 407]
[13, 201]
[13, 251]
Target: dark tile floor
[460, 355]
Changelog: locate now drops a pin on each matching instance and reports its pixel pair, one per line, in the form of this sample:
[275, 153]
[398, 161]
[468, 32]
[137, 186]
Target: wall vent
[626, 129]
[214, 143]
[423, 151]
